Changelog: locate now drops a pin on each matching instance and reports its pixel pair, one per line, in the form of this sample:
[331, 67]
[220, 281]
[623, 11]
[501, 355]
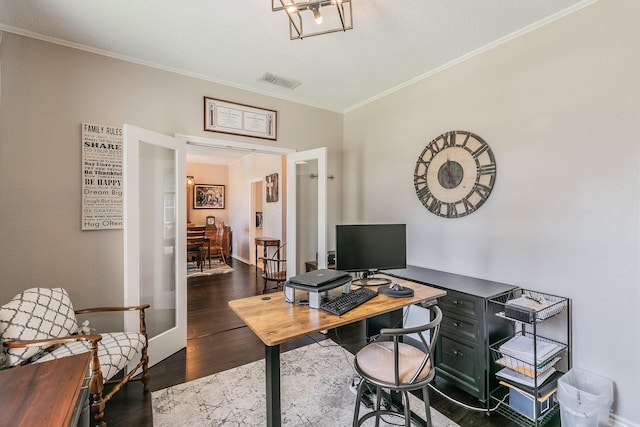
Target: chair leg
[407, 409]
[427, 405]
[378, 401]
[145, 371]
[145, 355]
[96, 385]
[356, 412]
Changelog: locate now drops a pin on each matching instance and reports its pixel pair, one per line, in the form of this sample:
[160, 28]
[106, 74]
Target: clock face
[455, 174]
[211, 220]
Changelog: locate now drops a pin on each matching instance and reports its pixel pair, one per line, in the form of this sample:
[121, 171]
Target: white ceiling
[234, 42]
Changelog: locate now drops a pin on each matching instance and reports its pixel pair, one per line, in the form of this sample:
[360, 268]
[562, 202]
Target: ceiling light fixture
[313, 18]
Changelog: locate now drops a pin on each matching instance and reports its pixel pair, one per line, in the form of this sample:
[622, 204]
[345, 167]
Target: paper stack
[519, 351]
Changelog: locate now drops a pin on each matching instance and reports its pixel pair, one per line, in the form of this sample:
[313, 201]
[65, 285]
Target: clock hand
[449, 176]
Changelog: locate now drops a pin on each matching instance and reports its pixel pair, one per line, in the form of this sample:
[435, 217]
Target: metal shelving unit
[529, 310]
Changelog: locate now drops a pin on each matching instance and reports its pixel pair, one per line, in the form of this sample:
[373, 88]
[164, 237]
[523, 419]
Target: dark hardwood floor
[217, 340]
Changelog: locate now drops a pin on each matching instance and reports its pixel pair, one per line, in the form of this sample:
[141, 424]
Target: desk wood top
[276, 321]
[42, 394]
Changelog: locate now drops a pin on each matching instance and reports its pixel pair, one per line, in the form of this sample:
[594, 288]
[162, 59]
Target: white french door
[306, 209]
[155, 237]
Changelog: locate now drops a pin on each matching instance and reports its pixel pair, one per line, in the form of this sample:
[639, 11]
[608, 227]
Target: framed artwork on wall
[240, 119]
[272, 187]
[208, 196]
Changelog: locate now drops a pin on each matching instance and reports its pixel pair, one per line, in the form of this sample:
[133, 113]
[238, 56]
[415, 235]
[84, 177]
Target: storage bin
[585, 399]
[527, 405]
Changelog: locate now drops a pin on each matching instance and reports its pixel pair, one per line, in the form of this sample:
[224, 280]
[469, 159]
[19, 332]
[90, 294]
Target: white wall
[560, 108]
[242, 174]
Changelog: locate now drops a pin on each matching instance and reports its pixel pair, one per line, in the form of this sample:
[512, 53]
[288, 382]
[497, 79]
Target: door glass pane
[158, 185]
[307, 213]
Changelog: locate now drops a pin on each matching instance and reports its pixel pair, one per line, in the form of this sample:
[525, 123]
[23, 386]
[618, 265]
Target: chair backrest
[275, 268]
[433, 329]
[280, 253]
[195, 237]
[219, 236]
[36, 313]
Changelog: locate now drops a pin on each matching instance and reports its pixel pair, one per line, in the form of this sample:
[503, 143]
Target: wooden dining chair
[197, 245]
[275, 269]
[217, 239]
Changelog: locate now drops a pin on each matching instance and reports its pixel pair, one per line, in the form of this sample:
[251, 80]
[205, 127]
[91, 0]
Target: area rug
[315, 392]
[217, 267]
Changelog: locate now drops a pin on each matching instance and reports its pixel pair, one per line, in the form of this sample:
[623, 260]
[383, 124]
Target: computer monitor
[367, 248]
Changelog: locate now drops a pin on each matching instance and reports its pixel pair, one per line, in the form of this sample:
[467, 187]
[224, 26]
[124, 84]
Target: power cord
[464, 405]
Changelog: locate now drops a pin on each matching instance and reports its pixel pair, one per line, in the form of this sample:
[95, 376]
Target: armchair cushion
[36, 313]
[115, 351]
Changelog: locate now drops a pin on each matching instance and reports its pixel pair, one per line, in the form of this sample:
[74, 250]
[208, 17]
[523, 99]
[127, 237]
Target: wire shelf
[524, 367]
[499, 397]
[528, 306]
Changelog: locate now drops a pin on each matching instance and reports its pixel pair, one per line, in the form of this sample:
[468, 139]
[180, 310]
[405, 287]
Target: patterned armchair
[39, 324]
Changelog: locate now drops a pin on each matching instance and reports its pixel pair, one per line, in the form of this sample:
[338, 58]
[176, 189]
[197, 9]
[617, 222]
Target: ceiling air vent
[280, 81]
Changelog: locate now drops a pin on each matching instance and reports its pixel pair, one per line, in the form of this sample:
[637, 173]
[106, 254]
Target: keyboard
[346, 302]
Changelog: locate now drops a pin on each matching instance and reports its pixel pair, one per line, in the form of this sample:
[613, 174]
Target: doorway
[248, 166]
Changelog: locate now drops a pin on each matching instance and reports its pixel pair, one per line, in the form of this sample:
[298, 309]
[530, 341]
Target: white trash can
[585, 399]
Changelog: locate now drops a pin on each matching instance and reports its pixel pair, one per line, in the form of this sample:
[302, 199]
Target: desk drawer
[461, 327]
[460, 363]
[458, 303]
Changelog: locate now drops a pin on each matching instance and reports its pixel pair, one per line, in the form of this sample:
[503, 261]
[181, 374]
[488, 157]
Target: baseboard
[246, 261]
[617, 421]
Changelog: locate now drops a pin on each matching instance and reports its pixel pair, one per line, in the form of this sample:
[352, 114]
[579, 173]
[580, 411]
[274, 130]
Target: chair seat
[115, 350]
[376, 361]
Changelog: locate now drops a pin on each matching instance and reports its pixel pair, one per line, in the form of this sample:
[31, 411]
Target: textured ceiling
[235, 42]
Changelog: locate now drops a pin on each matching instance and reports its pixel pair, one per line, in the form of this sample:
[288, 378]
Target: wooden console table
[265, 242]
[45, 394]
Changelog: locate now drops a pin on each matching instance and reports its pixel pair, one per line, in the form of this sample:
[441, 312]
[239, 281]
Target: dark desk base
[272, 366]
[272, 358]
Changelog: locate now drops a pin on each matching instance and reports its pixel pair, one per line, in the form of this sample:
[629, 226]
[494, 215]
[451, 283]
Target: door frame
[319, 155]
[200, 141]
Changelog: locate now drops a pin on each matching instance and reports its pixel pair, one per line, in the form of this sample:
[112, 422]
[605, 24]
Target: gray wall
[560, 109]
[47, 92]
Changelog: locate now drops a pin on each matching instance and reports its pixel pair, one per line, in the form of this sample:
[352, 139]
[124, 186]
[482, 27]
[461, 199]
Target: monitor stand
[367, 279]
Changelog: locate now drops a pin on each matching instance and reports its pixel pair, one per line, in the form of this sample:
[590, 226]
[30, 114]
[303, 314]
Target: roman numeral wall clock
[455, 174]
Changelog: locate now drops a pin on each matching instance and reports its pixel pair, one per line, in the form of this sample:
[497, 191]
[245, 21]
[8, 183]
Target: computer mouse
[396, 287]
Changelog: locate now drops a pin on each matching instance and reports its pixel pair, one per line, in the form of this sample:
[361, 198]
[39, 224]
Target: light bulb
[317, 16]
[292, 9]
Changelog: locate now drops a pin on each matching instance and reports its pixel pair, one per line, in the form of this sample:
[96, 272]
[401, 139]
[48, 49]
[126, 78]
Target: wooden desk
[265, 242]
[276, 321]
[44, 394]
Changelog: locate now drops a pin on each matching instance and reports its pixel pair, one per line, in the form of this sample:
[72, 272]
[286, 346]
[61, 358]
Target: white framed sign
[102, 185]
[239, 119]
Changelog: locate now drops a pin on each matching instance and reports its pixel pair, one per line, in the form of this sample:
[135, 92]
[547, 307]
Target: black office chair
[397, 366]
